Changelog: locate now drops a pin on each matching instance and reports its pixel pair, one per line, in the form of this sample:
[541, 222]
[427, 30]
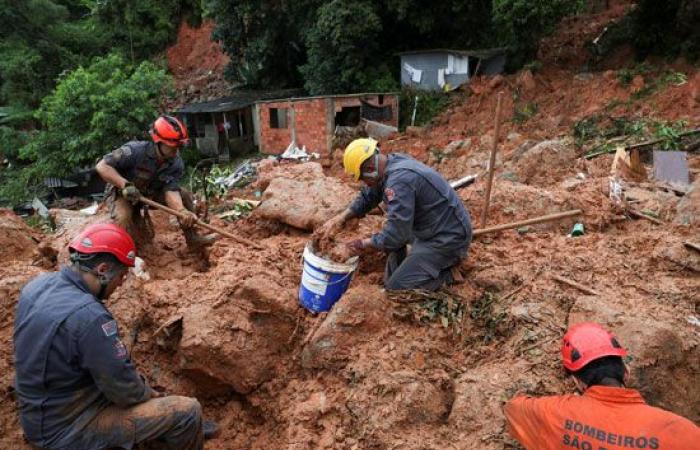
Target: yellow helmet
[357, 152]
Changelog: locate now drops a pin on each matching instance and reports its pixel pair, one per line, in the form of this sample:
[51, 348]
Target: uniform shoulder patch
[389, 192]
[110, 328]
[122, 152]
[119, 349]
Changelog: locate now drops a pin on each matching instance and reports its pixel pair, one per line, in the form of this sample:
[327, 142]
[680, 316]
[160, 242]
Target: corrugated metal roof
[314, 97]
[482, 53]
[238, 100]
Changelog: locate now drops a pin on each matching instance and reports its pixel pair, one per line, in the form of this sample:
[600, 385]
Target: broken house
[225, 126]
[312, 122]
[443, 69]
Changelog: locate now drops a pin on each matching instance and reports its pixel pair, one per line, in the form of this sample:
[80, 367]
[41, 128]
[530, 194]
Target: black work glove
[131, 193]
[355, 247]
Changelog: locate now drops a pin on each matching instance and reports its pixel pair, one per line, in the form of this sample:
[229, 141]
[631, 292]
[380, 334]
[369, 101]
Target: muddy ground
[400, 373]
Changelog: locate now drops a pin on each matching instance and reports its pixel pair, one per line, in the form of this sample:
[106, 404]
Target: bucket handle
[336, 281]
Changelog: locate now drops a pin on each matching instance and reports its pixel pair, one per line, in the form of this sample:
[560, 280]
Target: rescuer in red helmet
[75, 382]
[153, 170]
[607, 415]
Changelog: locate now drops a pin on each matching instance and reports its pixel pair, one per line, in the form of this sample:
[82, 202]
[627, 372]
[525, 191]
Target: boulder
[301, 196]
[361, 313]
[241, 339]
[688, 208]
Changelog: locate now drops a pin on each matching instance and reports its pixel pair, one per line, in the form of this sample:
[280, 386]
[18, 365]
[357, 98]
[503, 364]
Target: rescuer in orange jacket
[607, 416]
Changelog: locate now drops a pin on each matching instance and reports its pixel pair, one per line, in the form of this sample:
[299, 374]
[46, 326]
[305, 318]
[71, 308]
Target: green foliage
[669, 133]
[340, 46]
[430, 104]
[521, 23]
[263, 39]
[602, 134]
[142, 28]
[524, 112]
[93, 110]
[268, 43]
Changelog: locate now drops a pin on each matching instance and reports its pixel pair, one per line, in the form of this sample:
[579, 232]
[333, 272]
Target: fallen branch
[572, 283]
[593, 153]
[533, 221]
[641, 215]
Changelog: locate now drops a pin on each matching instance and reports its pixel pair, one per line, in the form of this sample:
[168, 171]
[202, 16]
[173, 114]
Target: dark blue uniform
[424, 211]
[137, 162]
[70, 363]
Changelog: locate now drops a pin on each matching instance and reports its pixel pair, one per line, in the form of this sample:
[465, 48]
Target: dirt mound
[197, 64]
[543, 163]
[17, 241]
[303, 199]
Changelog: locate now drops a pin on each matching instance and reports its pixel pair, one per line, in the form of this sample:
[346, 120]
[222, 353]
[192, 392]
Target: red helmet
[586, 342]
[170, 131]
[106, 238]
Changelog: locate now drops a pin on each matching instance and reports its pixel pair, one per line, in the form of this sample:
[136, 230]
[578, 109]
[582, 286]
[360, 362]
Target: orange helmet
[170, 131]
[586, 342]
[105, 238]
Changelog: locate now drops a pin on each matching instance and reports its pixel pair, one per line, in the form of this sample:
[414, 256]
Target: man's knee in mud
[185, 409]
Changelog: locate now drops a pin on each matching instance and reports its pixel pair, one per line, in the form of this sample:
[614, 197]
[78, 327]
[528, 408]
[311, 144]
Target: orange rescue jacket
[603, 418]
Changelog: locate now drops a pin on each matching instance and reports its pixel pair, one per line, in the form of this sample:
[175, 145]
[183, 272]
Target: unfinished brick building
[311, 121]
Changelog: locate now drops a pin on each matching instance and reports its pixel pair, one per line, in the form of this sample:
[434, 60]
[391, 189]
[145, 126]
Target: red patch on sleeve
[389, 194]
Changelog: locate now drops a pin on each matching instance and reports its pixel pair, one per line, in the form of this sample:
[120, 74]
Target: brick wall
[311, 121]
[274, 140]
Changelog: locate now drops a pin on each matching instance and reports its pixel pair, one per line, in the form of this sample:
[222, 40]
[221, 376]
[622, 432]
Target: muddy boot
[196, 241]
[210, 429]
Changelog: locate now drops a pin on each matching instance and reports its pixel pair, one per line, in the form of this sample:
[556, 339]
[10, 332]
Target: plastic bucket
[323, 282]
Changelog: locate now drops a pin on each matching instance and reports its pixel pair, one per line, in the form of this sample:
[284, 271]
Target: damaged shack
[313, 122]
[225, 127]
[443, 69]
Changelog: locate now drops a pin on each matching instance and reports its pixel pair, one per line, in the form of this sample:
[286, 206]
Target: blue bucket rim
[327, 265]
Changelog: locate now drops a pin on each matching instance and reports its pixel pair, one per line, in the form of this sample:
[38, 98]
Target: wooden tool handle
[204, 225]
[533, 221]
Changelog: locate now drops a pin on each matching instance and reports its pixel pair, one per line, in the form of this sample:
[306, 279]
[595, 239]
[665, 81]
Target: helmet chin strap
[103, 278]
[375, 173]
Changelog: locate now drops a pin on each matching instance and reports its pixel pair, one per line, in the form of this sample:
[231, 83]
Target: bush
[93, 110]
[430, 104]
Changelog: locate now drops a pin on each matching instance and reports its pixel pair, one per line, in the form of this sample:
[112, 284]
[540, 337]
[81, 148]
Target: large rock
[269, 169]
[303, 198]
[361, 313]
[242, 338]
[662, 345]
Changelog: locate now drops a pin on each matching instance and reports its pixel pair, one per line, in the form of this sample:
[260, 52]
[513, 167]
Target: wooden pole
[690, 245]
[492, 161]
[204, 225]
[533, 221]
[572, 283]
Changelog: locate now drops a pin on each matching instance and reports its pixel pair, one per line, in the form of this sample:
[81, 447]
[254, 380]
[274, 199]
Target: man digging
[152, 169]
[422, 211]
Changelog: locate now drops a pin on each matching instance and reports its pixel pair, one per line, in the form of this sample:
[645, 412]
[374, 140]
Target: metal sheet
[671, 167]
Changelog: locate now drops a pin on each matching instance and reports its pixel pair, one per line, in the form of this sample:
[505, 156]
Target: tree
[263, 38]
[142, 28]
[342, 49]
[93, 110]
